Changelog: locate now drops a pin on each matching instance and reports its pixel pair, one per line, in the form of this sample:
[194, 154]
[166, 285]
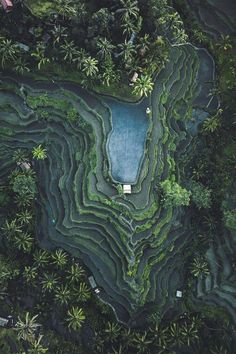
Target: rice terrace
[117, 176]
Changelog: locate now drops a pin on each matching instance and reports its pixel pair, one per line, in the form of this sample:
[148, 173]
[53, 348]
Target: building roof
[7, 4]
[3, 322]
[127, 189]
[92, 282]
[134, 77]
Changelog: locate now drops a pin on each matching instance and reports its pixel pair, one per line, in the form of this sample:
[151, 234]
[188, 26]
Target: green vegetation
[65, 219]
[174, 195]
[201, 195]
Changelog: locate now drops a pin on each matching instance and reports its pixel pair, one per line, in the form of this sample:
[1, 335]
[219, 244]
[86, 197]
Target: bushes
[230, 219]
[201, 195]
[173, 194]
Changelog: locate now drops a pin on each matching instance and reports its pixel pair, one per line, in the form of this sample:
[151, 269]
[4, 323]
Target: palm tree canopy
[143, 85]
[26, 327]
[75, 318]
[90, 66]
[129, 8]
[105, 47]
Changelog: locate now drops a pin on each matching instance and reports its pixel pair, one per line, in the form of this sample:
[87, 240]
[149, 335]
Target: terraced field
[215, 17]
[133, 246]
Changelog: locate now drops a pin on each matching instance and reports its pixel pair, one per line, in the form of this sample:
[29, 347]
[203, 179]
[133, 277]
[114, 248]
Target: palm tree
[23, 242]
[108, 76]
[59, 258]
[75, 318]
[11, 228]
[144, 44]
[79, 56]
[27, 327]
[90, 66]
[127, 337]
[36, 347]
[39, 152]
[58, 33]
[119, 350]
[225, 43]
[129, 9]
[127, 50]
[175, 334]
[39, 55]
[67, 9]
[83, 293]
[24, 200]
[189, 333]
[160, 336]
[143, 85]
[141, 342]
[211, 124]
[112, 331]
[49, 282]
[41, 258]
[200, 36]
[199, 267]
[75, 273]
[219, 350]
[62, 295]
[8, 51]
[68, 50]
[24, 217]
[105, 48]
[19, 156]
[30, 273]
[128, 27]
[21, 67]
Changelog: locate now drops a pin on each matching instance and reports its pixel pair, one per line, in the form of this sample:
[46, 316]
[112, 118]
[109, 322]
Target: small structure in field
[148, 110]
[25, 166]
[6, 322]
[179, 293]
[93, 284]
[134, 77]
[7, 5]
[127, 189]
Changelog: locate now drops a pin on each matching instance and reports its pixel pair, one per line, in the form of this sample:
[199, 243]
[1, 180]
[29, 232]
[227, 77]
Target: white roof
[127, 188]
[179, 293]
[92, 281]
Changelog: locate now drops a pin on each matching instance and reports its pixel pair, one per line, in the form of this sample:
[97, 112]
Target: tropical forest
[117, 176]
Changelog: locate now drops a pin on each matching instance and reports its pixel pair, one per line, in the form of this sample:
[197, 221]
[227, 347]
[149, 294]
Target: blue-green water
[126, 142]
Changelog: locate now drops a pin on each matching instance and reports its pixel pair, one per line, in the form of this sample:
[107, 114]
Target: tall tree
[128, 9]
[59, 258]
[26, 327]
[105, 48]
[21, 67]
[49, 282]
[69, 51]
[8, 51]
[90, 66]
[127, 50]
[39, 55]
[112, 331]
[58, 33]
[75, 318]
[39, 152]
[62, 295]
[143, 85]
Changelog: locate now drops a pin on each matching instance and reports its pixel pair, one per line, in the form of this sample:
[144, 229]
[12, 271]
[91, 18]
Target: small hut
[6, 322]
[127, 189]
[7, 5]
[134, 77]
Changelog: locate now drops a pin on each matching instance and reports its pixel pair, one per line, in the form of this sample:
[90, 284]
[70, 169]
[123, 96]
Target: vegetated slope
[132, 245]
[215, 17]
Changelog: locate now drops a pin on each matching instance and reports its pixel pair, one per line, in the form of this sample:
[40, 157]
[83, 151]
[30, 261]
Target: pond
[126, 141]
